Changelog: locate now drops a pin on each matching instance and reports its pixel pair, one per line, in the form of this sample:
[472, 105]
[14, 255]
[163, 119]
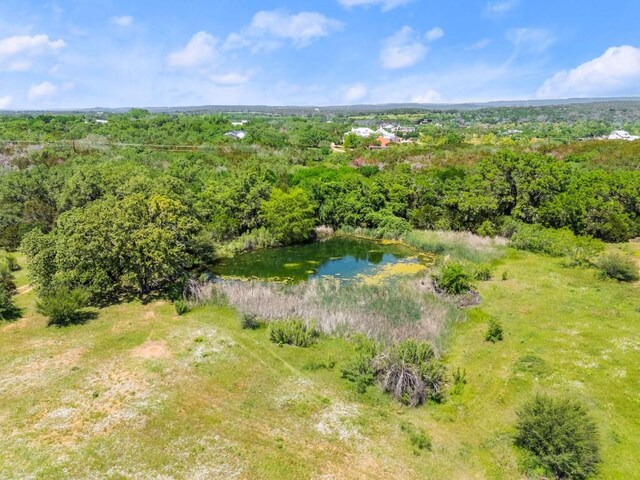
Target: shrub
[505, 276]
[618, 267]
[359, 369]
[11, 262]
[483, 272]
[560, 435]
[417, 436]
[8, 309]
[453, 279]
[556, 243]
[494, 332]
[411, 373]
[63, 306]
[181, 306]
[249, 322]
[292, 332]
[6, 279]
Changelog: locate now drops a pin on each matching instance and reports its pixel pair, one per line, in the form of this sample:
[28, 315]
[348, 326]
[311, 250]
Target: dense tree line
[137, 221]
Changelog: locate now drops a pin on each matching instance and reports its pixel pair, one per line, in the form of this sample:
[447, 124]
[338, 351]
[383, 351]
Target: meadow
[140, 392]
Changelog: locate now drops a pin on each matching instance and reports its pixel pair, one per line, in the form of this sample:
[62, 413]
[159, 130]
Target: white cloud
[402, 49]
[230, 79]
[5, 101]
[430, 96]
[480, 44]
[434, 34]
[355, 92]
[616, 72]
[385, 5]
[497, 8]
[29, 45]
[200, 51]
[123, 21]
[268, 30]
[531, 40]
[44, 89]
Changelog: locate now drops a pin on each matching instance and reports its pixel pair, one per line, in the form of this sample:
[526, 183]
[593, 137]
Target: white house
[237, 134]
[239, 123]
[363, 132]
[381, 132]
[622, 135]
[99, 121]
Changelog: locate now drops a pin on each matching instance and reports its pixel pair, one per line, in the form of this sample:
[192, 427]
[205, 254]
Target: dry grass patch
[152, 350]
[110, 397]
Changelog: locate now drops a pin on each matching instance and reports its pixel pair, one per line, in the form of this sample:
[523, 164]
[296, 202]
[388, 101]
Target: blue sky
[112, 53]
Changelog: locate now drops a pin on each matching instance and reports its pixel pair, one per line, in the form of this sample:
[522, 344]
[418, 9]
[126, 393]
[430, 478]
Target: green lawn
[141, 393]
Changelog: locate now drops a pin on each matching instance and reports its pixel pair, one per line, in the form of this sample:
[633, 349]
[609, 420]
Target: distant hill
[619, 102]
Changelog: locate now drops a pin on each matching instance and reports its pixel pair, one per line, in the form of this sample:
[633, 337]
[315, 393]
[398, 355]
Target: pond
[346, 258]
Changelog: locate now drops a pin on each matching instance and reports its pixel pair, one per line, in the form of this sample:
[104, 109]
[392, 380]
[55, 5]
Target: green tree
[288, 215]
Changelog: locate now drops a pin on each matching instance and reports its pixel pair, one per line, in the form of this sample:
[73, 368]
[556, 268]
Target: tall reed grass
[389, 313]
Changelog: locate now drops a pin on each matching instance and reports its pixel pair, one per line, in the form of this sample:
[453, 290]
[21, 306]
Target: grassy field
[141, 393]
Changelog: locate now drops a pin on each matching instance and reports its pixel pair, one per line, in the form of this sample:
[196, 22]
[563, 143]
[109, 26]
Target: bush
[360, 369]
[181, 306]
[249, 322]
[560, 435]
[483, 272]
[494, 332]
[11, 262]
[6, 279]
[8, 309]
[453, 279]
[556, 243]
[618, 267]
[411, 373]
[292, 332]
[63, 306]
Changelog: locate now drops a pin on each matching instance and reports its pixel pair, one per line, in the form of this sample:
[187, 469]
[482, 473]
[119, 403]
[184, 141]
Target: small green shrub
[8, 309]
[560, 436]
[11, 262]
[250, 322]
[63, 306]
[494, 331]
[454, 279]
[505, 276]
[292, 332]
[181, 306]
[359, 369]
[419, 439]
[618, 267]
[483, 272]
[6, 279]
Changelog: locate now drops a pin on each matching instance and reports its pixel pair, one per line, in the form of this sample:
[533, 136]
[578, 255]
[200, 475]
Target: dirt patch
[37, 370]
[152, 349]
[108, 398]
